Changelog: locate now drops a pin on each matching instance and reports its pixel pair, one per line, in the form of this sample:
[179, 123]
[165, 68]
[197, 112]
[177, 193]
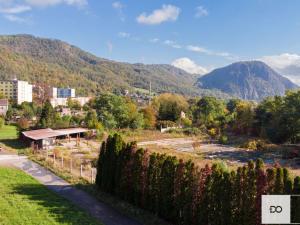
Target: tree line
[275, 119]
[182, 193]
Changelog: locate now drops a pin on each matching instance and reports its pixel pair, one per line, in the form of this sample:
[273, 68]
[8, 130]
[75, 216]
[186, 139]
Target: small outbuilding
[46, 138]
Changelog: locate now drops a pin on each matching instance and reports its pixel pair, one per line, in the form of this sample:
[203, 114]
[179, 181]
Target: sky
[195, 35]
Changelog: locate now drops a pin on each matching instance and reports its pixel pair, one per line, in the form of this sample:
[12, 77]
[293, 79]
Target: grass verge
[123, 207]
[25, 201]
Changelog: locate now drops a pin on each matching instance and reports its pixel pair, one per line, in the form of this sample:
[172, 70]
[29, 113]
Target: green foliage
[170, 106]
[116, 112]
[26, 201]
[186, 122]
[243, 121]
[184, 194]
[223, 139]
[2, 122]
[91, 120]
[254, 144]
[48, 116]
[210, 112]
[23, 124]
[149, 115]
[278, 118]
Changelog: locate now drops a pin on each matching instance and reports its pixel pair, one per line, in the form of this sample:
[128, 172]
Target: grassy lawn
[9, 139]
[8, 132]
[25, 201]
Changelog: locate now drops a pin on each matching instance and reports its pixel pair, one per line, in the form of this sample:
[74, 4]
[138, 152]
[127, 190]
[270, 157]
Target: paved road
[101, 211]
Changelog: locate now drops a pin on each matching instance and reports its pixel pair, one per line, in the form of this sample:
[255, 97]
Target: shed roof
[49, 133]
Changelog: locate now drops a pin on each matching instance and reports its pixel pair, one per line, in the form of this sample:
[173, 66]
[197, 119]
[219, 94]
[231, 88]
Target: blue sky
[197, 35]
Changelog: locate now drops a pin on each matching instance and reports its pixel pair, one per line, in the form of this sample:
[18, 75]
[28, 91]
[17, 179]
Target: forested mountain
[60, 64]
[251, 80]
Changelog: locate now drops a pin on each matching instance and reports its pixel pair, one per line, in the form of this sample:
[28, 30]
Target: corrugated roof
[49, 133]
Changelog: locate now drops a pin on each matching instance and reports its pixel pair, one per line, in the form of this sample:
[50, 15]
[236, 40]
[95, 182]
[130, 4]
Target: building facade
[20, 91]
[64, 101]
[3, 106]
[62, 93]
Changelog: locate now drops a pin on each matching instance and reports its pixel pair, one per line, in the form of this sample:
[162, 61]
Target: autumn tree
[149, 115]
[170, 106]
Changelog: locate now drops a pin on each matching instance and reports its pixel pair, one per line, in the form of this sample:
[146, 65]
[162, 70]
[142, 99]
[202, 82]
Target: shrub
[256, 144]
[23, 124]
[223, 139]
[1, 122]
[186, 122]
[192, 131]
[213, 132]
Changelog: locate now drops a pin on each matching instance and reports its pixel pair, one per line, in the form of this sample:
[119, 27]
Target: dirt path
[101, 211]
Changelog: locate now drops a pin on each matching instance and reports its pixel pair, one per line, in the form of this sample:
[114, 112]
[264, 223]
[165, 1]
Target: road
[104, 213]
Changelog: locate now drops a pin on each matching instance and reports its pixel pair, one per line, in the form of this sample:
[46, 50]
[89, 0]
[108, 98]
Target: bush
[166, 123]
[1, 122]
[223, 139]
[23, 124]
[256, 144]
[192, 131]
[186, 122]
[213, 132]
[187, 131]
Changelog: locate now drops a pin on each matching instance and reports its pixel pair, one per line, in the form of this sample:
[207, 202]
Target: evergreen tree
[279, 185]
[295, 215]
[48, 116]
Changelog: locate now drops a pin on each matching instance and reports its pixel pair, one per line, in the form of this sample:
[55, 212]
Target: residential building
[3, 106]
[62, 93]
[20, 91]
[63, 101]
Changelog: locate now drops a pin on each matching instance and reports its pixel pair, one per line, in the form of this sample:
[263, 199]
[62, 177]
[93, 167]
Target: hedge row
[181, 193]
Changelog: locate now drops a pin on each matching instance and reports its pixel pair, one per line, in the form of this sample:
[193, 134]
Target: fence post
[71, 166]
[54, 159]
[81, 170]
[62, 162]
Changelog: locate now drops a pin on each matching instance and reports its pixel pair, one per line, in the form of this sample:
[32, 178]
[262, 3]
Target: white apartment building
[24, 92]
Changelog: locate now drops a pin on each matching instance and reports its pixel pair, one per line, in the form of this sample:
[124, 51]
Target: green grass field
[8, 132]
[25, 201]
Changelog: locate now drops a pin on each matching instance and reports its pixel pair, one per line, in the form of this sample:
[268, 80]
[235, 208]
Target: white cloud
[201, 11]
[158, 16]
[124, 35]
[15, 9]
[206, 51]
[14, 18]
[173, 44]
[198, 49]
[282, 61]
[189, 66]
[286, 64]
[45, 3]
[118, 5]
[154, 40]
[9, 8]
